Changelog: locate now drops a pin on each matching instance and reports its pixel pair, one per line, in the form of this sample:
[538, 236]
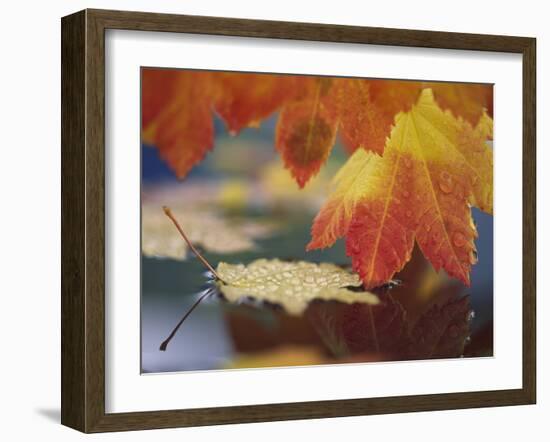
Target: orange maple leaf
[244, 100]
[158, 87]
[177, 116]
[177, 106]
[306, 129]
[469, 101]
[419, 156]
[420, 188]
[367, 109]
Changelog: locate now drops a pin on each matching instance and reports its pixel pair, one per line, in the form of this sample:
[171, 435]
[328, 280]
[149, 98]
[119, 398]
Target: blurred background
[240, 204]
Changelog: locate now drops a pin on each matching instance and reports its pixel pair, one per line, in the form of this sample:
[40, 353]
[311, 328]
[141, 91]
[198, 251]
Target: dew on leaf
[459, 240]
[445, 182]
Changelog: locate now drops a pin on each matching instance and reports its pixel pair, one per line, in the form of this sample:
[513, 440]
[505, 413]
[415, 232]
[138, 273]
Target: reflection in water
[425, 315]
[244, 185]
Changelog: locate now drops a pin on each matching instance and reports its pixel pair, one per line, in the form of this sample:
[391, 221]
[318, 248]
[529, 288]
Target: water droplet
[446, 185]
[408, 163]
[428, 227]
[392, 283]
[408, 213]
[354, 248]
[406, 193]
[459, 239]
[479, 148]
[474, 179]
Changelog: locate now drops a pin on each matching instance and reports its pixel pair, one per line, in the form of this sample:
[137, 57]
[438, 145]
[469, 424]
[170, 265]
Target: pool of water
[216, 333]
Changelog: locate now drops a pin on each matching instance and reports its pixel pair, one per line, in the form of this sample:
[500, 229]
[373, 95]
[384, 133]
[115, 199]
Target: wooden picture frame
[83, 219]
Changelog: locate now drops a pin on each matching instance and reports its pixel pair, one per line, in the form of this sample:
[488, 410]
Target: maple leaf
[469, 101]
[420, 188]
[158, 87]
[350, 184]
[290, 284]
[306, 130]
[362, 110]
[177, 108]
[178, 119]
[367, 109]
[214, 232]
[479, 159]
[245, 100]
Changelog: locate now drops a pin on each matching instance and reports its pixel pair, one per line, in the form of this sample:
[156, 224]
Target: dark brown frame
[83, 216]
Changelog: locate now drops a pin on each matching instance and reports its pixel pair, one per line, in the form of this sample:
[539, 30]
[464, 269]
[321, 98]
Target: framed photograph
[267, 220]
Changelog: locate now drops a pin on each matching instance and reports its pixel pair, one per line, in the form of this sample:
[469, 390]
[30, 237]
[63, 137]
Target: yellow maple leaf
[350, 184]
[290, 284]
[434, 165]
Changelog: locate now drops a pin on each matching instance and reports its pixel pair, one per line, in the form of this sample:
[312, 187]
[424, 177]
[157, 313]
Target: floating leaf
[210, 230]
[435, 161]
[292, 285]
[359, 326]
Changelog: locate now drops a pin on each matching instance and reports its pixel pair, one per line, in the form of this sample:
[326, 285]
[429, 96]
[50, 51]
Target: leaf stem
[170, 215]
[176, 328]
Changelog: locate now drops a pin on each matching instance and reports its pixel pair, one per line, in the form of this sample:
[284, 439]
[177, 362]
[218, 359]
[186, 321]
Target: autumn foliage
[418, 154]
